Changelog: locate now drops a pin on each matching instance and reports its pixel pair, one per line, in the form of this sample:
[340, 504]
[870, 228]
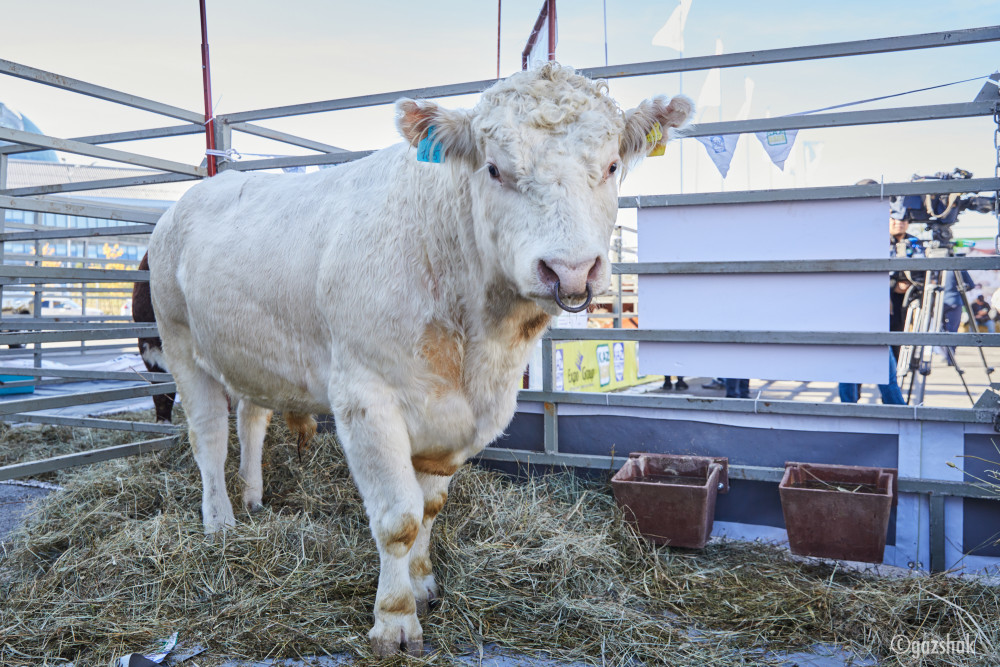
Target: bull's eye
[494, 172]
[613, 168]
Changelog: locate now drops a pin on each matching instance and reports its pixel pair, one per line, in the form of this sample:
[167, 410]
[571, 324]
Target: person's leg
[744, 388]
[891, 393]
[732, 387]
[681, 384]
[849, 392]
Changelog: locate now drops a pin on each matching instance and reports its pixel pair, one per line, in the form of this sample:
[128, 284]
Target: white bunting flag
[671, 35]
[778, 145]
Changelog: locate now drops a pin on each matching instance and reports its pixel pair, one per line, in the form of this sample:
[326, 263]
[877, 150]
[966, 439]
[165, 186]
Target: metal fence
[42, 333]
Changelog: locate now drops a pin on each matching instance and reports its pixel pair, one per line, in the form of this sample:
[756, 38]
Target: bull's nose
[572, 278]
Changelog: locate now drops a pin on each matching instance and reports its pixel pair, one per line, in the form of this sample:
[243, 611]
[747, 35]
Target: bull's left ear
[648, 126]
[452, 127]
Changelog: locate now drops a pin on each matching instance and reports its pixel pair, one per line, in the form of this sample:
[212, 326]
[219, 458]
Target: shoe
[667, 384]
[681, 384]
[714, 384]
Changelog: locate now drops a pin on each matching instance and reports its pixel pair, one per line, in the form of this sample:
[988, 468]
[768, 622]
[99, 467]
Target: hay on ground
[545, 566]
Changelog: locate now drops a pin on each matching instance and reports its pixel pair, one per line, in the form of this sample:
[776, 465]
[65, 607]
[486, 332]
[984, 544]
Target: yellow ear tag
[655, 137]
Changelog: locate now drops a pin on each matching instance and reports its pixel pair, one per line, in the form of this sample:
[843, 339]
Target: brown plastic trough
[671, 498]
[837, 511]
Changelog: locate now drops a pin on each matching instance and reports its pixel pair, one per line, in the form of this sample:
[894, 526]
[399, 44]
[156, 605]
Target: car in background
[51, 307]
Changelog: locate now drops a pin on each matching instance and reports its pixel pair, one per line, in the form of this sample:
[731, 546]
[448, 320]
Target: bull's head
[546, 149]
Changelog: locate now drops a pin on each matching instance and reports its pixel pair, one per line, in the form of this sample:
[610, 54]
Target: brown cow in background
[151, 349]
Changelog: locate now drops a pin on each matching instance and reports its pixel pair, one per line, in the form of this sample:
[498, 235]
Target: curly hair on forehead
[548, 97]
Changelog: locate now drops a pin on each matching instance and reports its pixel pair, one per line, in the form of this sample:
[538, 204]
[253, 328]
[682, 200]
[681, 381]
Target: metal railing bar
[736, 471]
[769, 406]
[286, 138]
[816, 193]
[448, 90]
[56, 273]
[299, 161]
[842, 119]
[117, 137]
[20, 353]
[75, 233]
[69, 290]
[100, 92]
[93, 422]
[74, 322]
[833, 50]
[149, 179]
[839, 119]
[839, 49]
[799, 53]
[810, 265]
[80, 208]
[145, 331]
[785, 337]
[85, 398]
[129, 376]
[83, 458]
[90, 150]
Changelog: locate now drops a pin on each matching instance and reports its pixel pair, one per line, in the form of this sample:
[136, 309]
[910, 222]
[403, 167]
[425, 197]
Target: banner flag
[671, 35]
[720, 149]
[778, 145]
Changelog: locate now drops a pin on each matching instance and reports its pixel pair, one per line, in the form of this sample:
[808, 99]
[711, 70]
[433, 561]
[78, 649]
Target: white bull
[404, 296]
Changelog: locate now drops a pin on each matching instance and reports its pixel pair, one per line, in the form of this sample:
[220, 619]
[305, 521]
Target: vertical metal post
[617, 323]
[206, 76]
[36, 305]
[224, 142]
[552, 29]
[936, 535]
[550, 420]
[3, 222]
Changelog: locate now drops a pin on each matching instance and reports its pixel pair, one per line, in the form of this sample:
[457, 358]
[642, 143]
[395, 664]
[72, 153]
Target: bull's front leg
[435, 490]
[377, 446]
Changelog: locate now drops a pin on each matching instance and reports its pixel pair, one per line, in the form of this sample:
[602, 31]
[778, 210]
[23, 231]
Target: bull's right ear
[452, 127]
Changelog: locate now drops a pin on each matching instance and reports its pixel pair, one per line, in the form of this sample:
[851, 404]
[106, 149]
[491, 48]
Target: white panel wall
[820, 230]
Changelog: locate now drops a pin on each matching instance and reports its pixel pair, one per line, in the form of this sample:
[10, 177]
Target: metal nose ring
[572, 309]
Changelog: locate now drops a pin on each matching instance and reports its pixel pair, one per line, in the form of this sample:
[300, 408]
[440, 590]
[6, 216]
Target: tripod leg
[950, 353]
[930, 320]
[973, 325]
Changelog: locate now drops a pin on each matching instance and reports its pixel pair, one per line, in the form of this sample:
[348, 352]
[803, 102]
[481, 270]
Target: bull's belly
[271, 382]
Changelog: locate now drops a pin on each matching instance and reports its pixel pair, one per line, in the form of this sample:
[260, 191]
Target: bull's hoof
[386, 648]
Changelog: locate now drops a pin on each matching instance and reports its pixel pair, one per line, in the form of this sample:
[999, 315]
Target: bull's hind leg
[251, 427]
[425, 589]
[377, 447]
[207, 411]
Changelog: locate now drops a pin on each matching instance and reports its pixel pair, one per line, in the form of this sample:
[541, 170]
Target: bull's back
[233, 268]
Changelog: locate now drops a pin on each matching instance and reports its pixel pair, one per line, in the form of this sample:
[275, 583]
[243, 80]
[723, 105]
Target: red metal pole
[552, 29]
[206, 75]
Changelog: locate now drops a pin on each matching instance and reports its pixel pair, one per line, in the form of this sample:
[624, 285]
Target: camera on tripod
[939, 212]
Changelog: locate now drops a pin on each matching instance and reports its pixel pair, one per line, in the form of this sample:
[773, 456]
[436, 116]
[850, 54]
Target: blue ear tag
[430, 150]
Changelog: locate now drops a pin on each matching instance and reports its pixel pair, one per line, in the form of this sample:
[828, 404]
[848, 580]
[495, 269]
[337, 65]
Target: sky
[266, 53]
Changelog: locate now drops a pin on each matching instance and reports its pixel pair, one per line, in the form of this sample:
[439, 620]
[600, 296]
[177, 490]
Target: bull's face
[546, 150]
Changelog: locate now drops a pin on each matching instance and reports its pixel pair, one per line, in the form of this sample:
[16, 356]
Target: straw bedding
[545, 566]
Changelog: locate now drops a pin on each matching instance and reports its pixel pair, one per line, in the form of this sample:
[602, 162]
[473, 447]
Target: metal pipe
[552, 29]
[206, 75]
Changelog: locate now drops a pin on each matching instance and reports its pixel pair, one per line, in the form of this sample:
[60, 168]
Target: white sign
[814, 230]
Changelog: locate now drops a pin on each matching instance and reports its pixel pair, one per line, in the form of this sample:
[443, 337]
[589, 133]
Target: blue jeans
[737, 388]
[891, 393]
